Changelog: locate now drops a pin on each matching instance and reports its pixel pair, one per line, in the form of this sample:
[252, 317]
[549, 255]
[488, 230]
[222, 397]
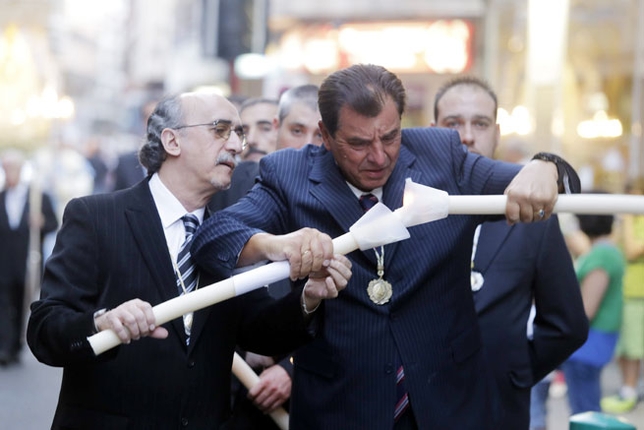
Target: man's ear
[170, 141]
[326, 137]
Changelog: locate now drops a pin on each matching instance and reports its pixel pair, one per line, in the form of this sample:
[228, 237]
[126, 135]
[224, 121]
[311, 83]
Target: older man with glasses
[119, 254]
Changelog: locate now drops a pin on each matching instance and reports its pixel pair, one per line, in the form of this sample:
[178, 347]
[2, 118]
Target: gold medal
[379, 291]
[476, 279]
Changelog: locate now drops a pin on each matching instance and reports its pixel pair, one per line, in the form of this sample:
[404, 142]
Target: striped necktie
[187, 272]
[367, 201]
[187, 275]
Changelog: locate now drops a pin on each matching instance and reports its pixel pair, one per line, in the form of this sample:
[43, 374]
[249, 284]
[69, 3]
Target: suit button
[184, 422]
[389, 368]
[191, 364]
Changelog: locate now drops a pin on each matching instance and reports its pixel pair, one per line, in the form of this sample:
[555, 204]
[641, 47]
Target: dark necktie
[367, 201]
[187, 273]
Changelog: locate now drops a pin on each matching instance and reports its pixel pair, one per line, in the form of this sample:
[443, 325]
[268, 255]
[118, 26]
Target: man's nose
[377, 153]
[467, 137]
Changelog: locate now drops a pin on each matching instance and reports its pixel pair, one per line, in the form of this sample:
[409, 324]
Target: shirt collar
[376, 192]
[169, 207]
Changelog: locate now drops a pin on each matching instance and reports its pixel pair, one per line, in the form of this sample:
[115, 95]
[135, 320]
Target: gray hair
[168, 113]
[307, 94]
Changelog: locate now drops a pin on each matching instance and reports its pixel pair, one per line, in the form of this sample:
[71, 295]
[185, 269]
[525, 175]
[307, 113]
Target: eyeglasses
[222, 128]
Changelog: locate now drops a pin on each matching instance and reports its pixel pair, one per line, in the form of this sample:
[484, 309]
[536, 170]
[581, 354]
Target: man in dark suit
[17, 222]
[514, 266]
[420, 334]
[119, 254]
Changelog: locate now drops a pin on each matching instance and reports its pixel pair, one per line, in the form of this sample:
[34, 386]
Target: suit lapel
[492, 236]
[333, 192]
[147, 231]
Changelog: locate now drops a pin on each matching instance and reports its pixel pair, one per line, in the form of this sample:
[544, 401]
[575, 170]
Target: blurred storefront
[568, 73]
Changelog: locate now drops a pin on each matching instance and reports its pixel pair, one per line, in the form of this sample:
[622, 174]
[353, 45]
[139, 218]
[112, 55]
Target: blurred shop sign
[442, 46]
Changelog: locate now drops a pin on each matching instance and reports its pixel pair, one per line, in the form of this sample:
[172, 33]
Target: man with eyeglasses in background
[118, 254]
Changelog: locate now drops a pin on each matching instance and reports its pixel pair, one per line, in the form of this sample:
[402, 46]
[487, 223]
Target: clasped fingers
[130, 321]
[307, 250]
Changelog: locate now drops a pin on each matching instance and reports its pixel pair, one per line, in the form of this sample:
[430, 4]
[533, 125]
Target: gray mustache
[225, 157]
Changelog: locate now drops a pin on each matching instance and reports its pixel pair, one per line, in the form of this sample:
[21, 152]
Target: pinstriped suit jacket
[345, 378]
[111, 248]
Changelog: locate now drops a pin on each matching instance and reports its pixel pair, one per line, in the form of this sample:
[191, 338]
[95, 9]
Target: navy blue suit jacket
[111, 248]
[345, 378]
[521, 264]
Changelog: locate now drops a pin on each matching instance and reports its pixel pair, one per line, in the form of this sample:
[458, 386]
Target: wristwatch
[567, 180]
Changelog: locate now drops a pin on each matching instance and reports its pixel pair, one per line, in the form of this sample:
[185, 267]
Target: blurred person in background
[298, 117]
[514, 267]
[257, 116]
[129, 170]
[17, 220]
[600, 272]
[630, 347]
[97, 161]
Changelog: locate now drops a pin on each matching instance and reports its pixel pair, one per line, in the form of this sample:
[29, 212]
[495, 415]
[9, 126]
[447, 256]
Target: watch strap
[567, 179]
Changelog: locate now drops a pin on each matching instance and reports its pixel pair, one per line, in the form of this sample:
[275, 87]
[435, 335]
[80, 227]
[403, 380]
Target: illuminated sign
[442, 46]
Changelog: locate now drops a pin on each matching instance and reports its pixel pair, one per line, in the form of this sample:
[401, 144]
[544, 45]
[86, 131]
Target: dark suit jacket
[128, 171]
[521, 264]
[111, 249]
[14, 253]
[345, 378]
[15, 243]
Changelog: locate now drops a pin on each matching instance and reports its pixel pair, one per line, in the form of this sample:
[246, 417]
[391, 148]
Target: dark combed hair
[365, 88]
[464, 80]
[596, 225]
[168, 113]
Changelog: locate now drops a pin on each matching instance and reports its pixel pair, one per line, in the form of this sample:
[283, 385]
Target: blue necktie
[367, 201]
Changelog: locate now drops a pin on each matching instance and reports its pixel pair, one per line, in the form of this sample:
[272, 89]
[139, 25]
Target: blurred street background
[76, 76]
